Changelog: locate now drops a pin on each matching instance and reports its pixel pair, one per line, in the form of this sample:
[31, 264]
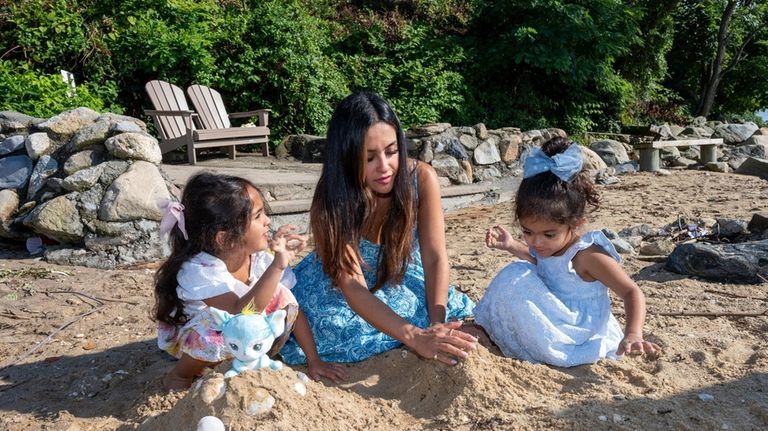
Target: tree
[716, 37]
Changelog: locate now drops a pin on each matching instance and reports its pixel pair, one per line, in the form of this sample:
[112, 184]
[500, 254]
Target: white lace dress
[547, 313]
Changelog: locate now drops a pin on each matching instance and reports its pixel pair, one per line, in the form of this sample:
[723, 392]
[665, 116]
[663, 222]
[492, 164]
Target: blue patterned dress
[547, 313]
[340, 333]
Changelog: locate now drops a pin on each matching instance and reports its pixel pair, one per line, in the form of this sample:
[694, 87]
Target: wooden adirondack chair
[213, 115]
[176, 124]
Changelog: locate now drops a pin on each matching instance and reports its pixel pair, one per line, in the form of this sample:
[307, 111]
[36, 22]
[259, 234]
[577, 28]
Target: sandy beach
[78, 349]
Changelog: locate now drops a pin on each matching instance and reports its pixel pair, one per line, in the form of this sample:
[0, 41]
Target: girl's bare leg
[185, 371]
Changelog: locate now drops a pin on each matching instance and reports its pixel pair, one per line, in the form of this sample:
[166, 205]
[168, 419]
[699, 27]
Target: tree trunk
[714, 72]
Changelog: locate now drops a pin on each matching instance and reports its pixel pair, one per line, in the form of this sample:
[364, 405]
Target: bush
[44, 95]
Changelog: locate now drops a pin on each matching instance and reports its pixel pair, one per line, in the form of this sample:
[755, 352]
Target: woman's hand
[286, 244]
[333, 372]
[444, 342]
[633, 345]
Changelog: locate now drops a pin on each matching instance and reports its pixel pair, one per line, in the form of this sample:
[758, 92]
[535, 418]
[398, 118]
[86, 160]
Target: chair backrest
[209, 106]
[168, 97]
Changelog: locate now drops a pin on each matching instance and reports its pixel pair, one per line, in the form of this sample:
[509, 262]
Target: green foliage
[42, 95]
[575, 64]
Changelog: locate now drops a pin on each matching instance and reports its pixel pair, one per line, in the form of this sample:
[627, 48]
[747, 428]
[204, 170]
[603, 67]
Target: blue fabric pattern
[547, 313]
[565, 165]
[341, 334]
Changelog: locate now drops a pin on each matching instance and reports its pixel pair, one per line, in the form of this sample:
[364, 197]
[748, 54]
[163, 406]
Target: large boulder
[68, 123]
[487, 152]
[738, 263]
[735, 133]
[136, 194]
[612, 152]
[57, 218]
[15, 172]
[135, 146]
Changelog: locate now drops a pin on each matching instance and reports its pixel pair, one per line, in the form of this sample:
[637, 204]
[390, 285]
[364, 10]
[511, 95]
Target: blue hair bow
[565, 165]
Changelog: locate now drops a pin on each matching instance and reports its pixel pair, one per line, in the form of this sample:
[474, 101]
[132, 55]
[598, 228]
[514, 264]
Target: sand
[77, 347]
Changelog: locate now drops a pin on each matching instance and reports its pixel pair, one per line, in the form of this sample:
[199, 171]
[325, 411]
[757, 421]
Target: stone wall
[84, 181]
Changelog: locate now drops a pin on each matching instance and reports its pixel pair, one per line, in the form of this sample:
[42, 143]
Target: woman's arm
[426, 343]
[434, 257]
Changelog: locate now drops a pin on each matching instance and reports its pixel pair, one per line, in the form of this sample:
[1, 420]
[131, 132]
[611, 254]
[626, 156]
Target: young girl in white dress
[219, 258]
[553, 306]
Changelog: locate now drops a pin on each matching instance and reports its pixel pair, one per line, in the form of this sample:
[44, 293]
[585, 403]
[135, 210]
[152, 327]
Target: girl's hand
[497, 237]
[286, 244]
[333, 372]
[635, 345]
[444, 342]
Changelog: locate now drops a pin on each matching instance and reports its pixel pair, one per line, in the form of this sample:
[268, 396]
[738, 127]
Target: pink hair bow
[174, 214]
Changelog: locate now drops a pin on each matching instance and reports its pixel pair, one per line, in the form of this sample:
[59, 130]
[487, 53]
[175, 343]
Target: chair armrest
[248, 113]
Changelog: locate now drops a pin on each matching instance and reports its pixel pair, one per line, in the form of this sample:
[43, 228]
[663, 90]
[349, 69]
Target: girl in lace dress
[553, 306]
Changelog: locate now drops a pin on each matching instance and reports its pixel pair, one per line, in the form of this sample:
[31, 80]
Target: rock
[467, 167]
[705, 396]
[69, 122]
[427, 155]
[58, 219]
[481, 131]
[430, 129]
[592, 161]
[9, 202]
[486, 153]
[486, 173]
[212, 389]
[661, 247]
[676, 130]
[135, 146]
[610, 151]
[124, 127]
[12, 144]
[669, 153]
[509, 148]
[641, 230]
[755, 167]
[85, 159]
[699, 121]
[717, 167]
[44, 168]
[469, 142]
[136, 194]
[295, 146]
[735, 133]
[261, 403]
[730, 227]
[682, 162]
[696, 132]
[622, 246]
[447, 166]
[300, 388]
[39, 144]
[732, 263]
[15, 171]
[758, 223]
[83, 179]
[763, 131]
[116, 119]
[88, 136]
[626, 168]
[533, 136]
[454, 148]
[664, 132]
[11, 121]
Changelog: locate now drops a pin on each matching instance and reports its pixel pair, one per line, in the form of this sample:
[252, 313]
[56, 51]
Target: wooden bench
[649, 151]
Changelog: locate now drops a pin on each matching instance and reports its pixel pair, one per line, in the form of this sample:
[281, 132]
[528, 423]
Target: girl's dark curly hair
[547, 197]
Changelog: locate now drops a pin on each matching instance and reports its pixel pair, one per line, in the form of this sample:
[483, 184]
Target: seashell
[212, 389]
[210, 423]
[262, 403]
[300, 388]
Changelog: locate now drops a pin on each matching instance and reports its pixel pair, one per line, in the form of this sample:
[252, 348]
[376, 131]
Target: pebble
[603, 418]
[404, 353]
[706, 397]
[212, 389]
[619, 397]
[618, 418]
[262, 403]
[302, 377]
[300, 388]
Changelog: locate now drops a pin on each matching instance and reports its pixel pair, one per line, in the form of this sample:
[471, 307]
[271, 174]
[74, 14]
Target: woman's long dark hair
[342, 203]
[547, 197]
[212, 204]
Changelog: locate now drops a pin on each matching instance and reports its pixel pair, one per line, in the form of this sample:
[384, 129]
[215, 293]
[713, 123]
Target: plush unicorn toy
[249, 336]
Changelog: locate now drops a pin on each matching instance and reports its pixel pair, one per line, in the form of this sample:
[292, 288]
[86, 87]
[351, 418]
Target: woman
[378, 276]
